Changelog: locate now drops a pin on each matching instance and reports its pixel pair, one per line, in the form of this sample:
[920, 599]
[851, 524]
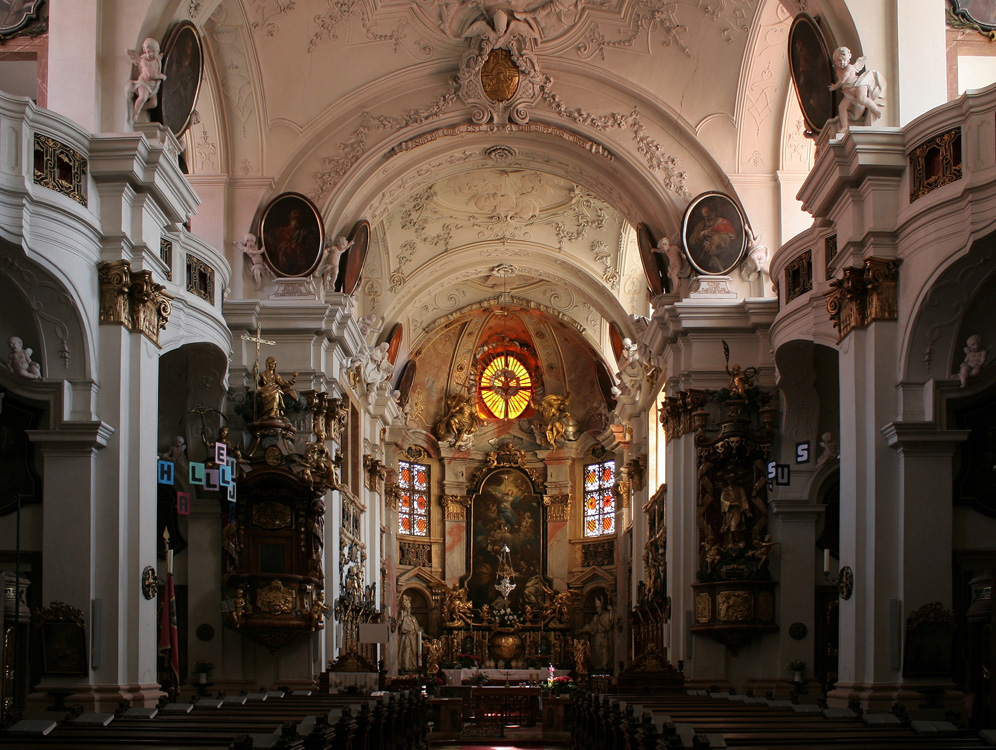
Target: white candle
[826, 561]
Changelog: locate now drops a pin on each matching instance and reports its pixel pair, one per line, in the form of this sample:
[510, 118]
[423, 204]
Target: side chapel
[612, 339]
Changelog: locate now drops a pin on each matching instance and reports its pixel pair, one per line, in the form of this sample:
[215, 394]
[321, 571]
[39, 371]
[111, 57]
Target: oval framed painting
[293, 235]
[394, 342]
[183, 66]
[714, 233]
[657, 278]
[615, 339]
[351, 263]
[405, 381]
[811, 68]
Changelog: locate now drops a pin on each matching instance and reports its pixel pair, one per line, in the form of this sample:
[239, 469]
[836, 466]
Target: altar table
[501, 676]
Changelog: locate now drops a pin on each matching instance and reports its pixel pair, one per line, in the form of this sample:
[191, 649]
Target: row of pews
[277, 719]
[704, 721]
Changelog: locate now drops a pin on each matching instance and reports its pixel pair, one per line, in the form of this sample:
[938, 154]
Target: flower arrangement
[202, 667]
[562, 684]
[468, 661]
[478, 678]
[796, 665]
[506, 618]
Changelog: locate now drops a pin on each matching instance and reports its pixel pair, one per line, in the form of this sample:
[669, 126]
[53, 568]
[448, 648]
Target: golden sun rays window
[599, 502]
[506, 386]
[413, 505]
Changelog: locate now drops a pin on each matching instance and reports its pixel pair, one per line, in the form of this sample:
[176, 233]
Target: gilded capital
[863, 295]
[455, 507]
[558, 507]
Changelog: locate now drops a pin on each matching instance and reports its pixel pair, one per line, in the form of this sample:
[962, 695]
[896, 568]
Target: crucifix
[257, 339]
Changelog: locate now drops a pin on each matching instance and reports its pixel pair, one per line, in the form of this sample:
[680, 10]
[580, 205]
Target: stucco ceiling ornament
[499, 75]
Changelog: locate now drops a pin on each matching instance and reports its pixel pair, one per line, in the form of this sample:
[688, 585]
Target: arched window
[599, 502]
[506, 386]
[413, 505]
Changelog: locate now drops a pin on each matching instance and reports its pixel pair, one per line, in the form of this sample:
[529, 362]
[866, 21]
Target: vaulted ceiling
[636, 106]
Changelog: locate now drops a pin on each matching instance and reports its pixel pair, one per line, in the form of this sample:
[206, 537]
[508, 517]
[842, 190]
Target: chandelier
[505, 580]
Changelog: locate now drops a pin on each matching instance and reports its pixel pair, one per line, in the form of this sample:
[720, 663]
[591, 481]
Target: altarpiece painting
[507, 511]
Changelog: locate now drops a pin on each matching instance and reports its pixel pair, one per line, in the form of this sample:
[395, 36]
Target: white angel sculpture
[328, 271]
[862, 89]
[248, 246]
[145, 88]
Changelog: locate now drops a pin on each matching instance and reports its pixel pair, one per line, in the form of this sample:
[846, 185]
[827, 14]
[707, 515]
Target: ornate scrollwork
[133, 299]
[392, 494]
[150, 305]
[271, 515]
[863, 295]
[60, 168]
[374, 472]
[676, 412]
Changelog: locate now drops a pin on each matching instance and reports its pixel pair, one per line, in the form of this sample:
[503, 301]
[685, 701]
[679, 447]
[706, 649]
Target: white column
[870, 514]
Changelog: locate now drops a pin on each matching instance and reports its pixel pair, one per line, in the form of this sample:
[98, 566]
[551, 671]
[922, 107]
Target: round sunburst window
[506, 386]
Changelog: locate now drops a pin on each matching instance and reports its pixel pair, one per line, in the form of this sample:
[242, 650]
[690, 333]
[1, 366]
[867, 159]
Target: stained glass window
[413, 505]
[506, 386]
[599, 502]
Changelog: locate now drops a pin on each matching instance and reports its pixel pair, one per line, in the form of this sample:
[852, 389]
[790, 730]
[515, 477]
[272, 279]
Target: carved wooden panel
[60, 168]
[935, 163]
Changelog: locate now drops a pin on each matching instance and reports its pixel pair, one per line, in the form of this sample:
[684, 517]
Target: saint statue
[601, 638]
[274, 391]
[409, 630]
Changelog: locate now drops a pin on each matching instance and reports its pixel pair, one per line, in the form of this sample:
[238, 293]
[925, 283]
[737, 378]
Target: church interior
[613, 372]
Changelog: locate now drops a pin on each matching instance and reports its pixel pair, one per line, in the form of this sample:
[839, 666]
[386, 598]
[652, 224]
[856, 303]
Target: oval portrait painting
[713, 231]
[183, 64]
[292, 234]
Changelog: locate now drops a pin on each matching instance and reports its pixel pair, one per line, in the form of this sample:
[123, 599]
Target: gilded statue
[274, 391]
[433, 656]
[555, 608]
[456, 608]
[460, 421]
[741, 379]
[553, 411]
[317, 612]
[581, 653]
[319, 466]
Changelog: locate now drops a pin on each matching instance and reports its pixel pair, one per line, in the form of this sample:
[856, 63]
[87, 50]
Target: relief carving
[734, 606]
[703, 607]
[276, 599]
[271, 515]
[455, 507]
[558, 507]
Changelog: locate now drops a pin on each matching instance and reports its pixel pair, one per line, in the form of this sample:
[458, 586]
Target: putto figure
[975, 359]
[145, 88]
[255, 254]
[20, 360]
[862, 89]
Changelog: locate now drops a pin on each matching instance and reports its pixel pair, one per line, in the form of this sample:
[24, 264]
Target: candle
[826, 561]
[169, 561]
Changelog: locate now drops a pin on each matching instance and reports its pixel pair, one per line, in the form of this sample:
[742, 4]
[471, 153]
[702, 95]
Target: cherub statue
[376, 368]
[248, 246]
[319, 465]
[328, 271]
[318, 610]
[975, 359]
[20, 360]
[762, 550]
[372, 323]
[831, 449]
[460, 421]
[862, 89]
[150, 77]
[675, 261]
[741, 380]
[556, 605]
[757, 258]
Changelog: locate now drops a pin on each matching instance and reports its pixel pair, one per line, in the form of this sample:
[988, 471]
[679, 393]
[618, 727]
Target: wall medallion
[500, 76]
